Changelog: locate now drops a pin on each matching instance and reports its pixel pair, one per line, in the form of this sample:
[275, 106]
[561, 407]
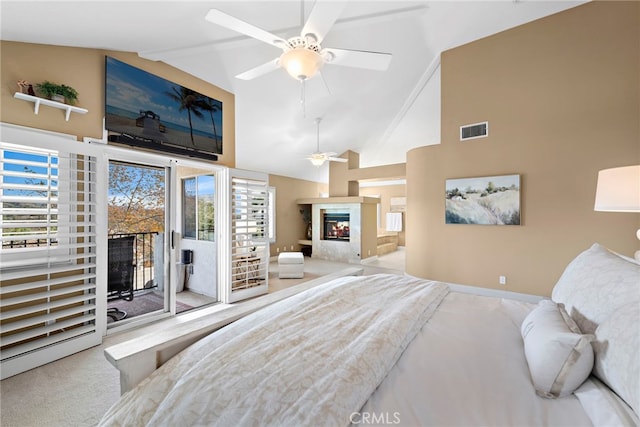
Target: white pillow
[560, 358]
[617, 353]
[595, 285]
[603, 406]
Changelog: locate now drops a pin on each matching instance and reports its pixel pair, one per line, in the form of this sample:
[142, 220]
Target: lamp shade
[301, 63]
[618, 190]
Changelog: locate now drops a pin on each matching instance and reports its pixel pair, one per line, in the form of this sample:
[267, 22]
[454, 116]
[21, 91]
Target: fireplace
[336, 226]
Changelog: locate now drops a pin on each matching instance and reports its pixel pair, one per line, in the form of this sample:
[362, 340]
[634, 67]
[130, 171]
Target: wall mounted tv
[145, 110]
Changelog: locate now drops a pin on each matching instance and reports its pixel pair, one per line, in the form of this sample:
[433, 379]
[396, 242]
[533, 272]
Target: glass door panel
[136, 241]
[197, 259]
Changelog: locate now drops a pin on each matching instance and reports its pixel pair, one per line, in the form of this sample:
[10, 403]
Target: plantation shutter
[249, 199]
[48, 257]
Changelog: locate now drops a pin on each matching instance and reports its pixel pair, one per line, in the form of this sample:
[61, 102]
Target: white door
[244, 236]
[52, 285]
[197, 264]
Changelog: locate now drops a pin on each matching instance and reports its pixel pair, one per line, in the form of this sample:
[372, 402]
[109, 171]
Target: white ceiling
[381, 115]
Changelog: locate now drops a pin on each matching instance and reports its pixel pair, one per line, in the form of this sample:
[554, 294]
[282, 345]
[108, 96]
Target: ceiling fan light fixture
[301, 63]
[317, 159]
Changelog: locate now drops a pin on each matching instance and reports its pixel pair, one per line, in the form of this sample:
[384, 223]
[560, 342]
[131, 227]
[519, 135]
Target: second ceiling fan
[319, 157]
[303, 55]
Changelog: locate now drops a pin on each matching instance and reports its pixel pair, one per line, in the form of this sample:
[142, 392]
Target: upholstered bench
[290, 265]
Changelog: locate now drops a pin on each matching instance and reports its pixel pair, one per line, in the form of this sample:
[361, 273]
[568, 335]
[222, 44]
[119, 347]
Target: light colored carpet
[74, 391]
[276, 284]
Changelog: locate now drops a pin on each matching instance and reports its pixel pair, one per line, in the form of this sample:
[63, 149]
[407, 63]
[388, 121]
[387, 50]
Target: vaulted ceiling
[380, 114]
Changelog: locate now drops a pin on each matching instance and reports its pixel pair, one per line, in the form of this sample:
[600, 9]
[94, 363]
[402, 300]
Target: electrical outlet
[292, 248]
[277, 250]
[503, 280]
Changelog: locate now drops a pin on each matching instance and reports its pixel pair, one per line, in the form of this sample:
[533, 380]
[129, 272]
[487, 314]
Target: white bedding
[370, 350]
[312, 359]
[467, 367]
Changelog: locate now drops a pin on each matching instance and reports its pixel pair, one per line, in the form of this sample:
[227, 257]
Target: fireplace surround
[348, 239]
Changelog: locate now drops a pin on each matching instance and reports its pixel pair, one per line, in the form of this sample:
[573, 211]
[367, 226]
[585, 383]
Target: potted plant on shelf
[56, 92]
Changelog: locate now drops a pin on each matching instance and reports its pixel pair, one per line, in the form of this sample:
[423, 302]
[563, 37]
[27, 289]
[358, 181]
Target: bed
[397, 350]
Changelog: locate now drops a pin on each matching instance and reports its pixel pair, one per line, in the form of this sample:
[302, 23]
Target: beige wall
[83, 69]
[344, 177]
[341, 181]
[562, 97]
[290, 226]
[369, 236]
[344, 181]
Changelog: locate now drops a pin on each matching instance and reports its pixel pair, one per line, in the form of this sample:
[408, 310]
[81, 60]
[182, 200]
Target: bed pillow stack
[559, 356]
[601, 292]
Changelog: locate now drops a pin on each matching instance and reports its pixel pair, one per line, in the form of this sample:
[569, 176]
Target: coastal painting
[149, 108]
[491, 200]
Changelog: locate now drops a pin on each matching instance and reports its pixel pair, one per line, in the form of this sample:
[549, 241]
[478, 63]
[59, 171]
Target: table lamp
[618, 190]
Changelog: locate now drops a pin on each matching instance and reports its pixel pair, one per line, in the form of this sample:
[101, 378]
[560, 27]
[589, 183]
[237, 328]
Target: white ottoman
[290, 265]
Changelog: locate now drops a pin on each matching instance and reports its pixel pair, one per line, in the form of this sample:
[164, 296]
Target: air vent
[476, 130]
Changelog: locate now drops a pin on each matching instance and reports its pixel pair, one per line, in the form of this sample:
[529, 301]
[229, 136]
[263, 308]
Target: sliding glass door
[137, 244]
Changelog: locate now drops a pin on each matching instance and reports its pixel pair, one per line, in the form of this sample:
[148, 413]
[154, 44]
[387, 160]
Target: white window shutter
[248, 203]
[48, 260]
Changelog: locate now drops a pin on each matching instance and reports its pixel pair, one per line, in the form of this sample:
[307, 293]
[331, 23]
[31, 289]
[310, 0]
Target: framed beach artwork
[489, 200]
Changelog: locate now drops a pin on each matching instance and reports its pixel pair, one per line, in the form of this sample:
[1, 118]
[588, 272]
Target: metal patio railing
[143, 256]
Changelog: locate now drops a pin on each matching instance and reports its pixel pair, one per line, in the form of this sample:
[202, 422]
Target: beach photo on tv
[142, 105]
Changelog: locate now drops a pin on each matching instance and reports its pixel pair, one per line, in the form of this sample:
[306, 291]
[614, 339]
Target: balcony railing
[143, 259]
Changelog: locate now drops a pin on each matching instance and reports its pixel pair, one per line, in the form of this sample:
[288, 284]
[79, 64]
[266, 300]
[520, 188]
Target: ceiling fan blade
[258, 71]
[218, 17]
[337, 159]
[359, 58]
[322, 17]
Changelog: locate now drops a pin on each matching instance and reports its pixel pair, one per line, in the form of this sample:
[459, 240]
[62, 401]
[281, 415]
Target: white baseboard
[488, 292]
[498, 293]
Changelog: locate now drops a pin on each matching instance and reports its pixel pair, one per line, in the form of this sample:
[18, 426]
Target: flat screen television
[144, 110]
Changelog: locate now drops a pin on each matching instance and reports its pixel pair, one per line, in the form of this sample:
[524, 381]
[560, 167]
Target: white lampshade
[618, 190]
[301, 63]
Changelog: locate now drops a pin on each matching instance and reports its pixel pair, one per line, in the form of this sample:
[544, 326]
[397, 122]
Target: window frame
[197, 208]
[61, 253]
[271, 215]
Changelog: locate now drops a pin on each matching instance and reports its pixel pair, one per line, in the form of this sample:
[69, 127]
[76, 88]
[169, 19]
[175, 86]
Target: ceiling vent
[476, 130]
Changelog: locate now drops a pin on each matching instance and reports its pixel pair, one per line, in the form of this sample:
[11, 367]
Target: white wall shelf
[41, 101]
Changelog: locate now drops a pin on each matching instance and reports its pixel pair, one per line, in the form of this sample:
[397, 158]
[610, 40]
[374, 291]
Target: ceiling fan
[318, 158]
[303, 56]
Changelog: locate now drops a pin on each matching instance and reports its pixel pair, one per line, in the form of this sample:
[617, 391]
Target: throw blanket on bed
[312, 359]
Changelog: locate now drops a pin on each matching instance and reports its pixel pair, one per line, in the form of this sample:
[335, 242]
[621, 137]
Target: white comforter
[313, 359]
[467, 367]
